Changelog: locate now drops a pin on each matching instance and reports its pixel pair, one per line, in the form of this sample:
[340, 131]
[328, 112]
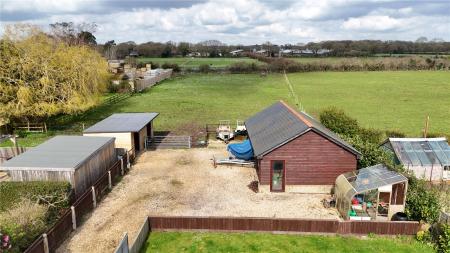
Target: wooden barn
[295, 153]
[79, 160]
[130, 129]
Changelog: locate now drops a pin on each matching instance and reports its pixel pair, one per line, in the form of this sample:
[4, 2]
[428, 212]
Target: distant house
[296, 153]
[79, 160]
[129, 129]
[237, 52]
[427, 158]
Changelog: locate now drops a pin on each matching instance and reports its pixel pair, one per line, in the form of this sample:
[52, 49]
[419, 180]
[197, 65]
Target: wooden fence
[117, 98]
[149, 81]
[283, 225]
[31, 127]
[7, 153]
[72, 218]
[136, 245]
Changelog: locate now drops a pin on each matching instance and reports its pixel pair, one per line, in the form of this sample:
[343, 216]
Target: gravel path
[184, 182]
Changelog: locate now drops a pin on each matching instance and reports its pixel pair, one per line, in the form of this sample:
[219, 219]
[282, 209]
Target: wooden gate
[169, 141]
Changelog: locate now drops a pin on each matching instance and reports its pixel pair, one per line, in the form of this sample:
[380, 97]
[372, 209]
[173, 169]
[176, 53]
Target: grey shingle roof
[279, 123]
[122, 122]
[62, 153]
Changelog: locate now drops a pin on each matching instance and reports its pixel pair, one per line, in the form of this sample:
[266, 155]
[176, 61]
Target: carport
[130, 129]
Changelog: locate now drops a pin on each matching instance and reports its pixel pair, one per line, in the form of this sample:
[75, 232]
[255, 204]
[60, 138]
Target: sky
[240, 22]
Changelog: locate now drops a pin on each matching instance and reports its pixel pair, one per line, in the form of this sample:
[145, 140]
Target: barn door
[278, 172]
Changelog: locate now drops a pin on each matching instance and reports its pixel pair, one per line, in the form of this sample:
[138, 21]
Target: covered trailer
[79, 160]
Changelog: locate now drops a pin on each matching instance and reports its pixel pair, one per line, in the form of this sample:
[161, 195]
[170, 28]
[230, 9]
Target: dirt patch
[184, 182]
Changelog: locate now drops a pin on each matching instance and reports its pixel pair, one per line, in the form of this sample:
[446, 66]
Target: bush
[243, 67]
[55, 194]
[371, 135]
[21, 133]
[372, 154]
[443, 240]
[422, 203]
[337, 121]
[395, 134]
[175, 67]
[204, 68]
[23, 223]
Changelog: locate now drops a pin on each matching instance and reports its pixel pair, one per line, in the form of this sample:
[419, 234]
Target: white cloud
[247, 22]
[373, 23]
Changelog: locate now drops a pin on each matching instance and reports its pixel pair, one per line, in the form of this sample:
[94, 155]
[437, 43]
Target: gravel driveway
[184, 182]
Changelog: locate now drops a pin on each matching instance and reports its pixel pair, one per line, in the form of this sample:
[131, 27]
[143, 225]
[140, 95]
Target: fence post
[122, 172]
[74, 218]
[109, 180]
[46, 249]
[145, 142]
[128, 160]
[189, 141]
[94, 200]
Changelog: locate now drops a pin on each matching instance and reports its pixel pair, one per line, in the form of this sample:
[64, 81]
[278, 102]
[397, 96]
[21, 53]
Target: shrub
[243, 67]
[54, 194]
[422, 203]
[204, 68]
[372, 154]
[175, 67]
[337, 121]
[395, 134]
[443, 242]
[23, 223]
[371, 135]
[21, 133]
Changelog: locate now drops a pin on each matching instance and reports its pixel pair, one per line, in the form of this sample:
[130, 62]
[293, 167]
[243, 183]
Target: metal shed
[427, 158]
[79, 160]
[130, 129]
[372, 193]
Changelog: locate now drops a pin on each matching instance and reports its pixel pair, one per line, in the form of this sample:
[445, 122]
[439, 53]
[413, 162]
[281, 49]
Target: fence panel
[37, 246]
[141, 238]
[60, 231]
[283, 225]
[83, 205]
[123, 245]
[7, 153]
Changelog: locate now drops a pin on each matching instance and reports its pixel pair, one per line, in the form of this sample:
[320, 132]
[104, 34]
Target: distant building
[237, 52]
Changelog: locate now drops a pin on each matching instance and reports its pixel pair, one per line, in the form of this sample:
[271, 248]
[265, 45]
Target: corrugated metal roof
[421, 151]
[123, 122]
[279, 123]
[62, 153]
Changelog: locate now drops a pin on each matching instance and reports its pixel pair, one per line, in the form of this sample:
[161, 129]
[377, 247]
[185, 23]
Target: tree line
[214, 48]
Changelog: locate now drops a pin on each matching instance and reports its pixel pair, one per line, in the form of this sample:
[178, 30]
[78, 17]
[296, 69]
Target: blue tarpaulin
[242, 150]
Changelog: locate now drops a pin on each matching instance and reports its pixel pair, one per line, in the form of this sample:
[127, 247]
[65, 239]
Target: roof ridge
[297, 114]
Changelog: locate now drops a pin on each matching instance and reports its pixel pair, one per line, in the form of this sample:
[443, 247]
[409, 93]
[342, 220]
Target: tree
[74, 34]
[183, 48]
[41, 76]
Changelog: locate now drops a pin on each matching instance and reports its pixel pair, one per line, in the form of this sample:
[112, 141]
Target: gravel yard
[184, 182]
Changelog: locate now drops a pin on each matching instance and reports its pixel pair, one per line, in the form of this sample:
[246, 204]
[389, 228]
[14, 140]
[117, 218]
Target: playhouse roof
[279, 124]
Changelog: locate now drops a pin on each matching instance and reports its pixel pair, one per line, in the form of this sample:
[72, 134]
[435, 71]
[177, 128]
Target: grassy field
[190, 62]
[261, 242]
[335, 60]
[382, 100]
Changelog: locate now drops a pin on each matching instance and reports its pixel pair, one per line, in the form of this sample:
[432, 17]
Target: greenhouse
[372, 193]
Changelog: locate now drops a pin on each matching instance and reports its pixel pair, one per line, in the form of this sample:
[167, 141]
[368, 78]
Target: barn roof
[279, 124]
[61, 153]
[421, 151]
[123, 122]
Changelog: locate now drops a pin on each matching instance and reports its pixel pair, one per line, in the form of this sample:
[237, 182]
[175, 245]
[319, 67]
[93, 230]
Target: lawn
[263, 242]
[398, 100]
[191, 62]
